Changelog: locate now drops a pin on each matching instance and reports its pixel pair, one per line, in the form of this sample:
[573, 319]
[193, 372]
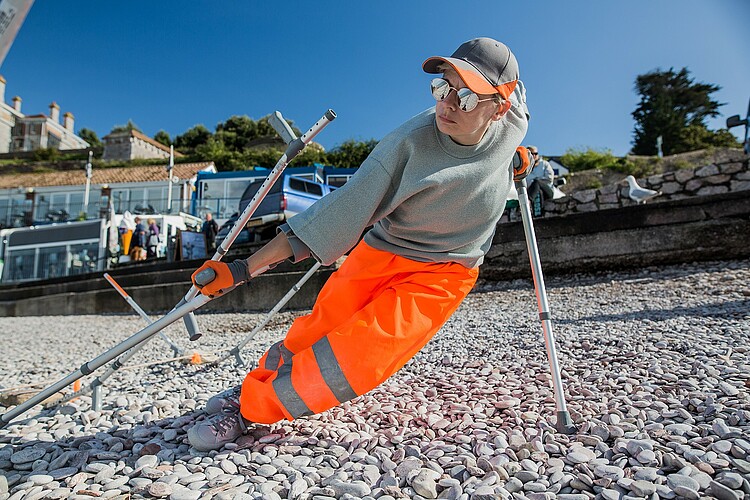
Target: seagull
[637, 193]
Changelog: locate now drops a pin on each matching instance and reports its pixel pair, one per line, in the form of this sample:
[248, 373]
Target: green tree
[241, 143]
[190, 140]
[351, 153]
[125, 128]
[162, 137]
[214, 150]
[697, 137]
[672, 105]
[90, 136]
[237, 132]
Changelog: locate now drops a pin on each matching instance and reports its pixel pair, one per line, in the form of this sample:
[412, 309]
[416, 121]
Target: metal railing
[18, 213]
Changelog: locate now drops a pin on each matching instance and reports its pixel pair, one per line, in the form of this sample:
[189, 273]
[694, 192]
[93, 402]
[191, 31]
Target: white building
[19, 132]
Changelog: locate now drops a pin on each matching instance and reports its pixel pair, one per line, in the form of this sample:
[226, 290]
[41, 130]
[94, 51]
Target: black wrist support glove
[238, 268]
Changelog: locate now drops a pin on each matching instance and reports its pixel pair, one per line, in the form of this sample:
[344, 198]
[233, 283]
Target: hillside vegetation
[608, 169]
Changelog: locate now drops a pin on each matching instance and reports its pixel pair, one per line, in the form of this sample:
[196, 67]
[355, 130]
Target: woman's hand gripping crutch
[215, 278]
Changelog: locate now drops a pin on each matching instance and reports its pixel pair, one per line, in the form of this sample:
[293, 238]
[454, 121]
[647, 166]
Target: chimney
[54, 112]
[68, 121]
[17, 103]
[2, 89]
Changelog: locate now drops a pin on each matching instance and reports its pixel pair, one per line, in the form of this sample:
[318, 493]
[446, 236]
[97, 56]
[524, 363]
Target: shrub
[578, 160]
[46, 154]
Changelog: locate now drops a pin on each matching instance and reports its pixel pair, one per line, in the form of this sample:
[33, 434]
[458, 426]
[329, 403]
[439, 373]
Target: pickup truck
[287, 197]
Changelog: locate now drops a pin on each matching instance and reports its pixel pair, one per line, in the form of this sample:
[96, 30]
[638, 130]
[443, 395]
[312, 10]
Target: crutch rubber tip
[565, 424]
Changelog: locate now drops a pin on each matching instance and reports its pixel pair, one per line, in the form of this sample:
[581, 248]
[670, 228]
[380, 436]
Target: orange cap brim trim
[470, 76]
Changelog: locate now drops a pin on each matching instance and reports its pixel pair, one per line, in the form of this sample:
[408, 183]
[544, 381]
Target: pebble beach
[655, 363]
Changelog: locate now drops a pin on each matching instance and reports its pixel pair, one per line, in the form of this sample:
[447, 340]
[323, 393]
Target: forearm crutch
[193, 300]
[177, 350]
[564, 422]
[95, 388]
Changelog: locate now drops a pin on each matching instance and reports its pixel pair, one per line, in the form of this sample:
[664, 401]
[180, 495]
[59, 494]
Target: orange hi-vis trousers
[372, 315]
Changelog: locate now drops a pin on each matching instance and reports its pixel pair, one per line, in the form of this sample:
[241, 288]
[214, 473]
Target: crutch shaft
[96, 385]
[564, 422]
[279, 305]
[134, 305]
[89, 367]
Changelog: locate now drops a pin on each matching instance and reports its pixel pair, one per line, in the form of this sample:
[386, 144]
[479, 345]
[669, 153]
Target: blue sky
[171, 65]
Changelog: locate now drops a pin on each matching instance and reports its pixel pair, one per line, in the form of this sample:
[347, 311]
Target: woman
[433, 191]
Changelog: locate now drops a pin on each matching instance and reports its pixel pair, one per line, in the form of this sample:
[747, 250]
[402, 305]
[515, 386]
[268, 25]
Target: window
[16, 209]
[306, 187]
[156, 200]
[337, 180]
[75, 204]
[40, 207]
[137, 202]
[5, 211]
[83, 258]
[309, 177]
[20, 265]
[58, 201]
[52, 262]
[53, 141]
[120, 198]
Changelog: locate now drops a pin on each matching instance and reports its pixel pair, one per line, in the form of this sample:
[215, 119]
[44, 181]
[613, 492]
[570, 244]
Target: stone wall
[695, 228]
[726, 176]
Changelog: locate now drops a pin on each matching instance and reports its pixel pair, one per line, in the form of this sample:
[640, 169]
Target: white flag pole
[88, 184]
[169, 186]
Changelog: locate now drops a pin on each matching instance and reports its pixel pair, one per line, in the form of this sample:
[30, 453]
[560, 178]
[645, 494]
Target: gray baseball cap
[485, 65]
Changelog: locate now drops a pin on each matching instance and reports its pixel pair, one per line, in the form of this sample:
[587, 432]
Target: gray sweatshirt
[427, 198]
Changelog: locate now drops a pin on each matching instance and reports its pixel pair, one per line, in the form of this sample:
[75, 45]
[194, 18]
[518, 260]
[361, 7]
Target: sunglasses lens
[467, 100]
[440, 89]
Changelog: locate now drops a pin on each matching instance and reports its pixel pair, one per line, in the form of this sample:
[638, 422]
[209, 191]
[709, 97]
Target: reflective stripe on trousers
[370, 318]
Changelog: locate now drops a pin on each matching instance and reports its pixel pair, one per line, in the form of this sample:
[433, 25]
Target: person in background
[139, 233]
[126, 228]
[209, 229]
[153, 239]
[541, 177]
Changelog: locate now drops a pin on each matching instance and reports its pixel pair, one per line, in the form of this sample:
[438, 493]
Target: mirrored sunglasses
[467, 99]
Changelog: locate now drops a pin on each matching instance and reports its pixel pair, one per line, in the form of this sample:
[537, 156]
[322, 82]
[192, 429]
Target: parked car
[287, 197]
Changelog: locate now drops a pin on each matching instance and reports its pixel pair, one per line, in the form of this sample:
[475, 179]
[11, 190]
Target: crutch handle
[205, 277]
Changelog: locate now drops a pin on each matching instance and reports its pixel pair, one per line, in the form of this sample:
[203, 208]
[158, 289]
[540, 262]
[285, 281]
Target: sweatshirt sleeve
[334, 223]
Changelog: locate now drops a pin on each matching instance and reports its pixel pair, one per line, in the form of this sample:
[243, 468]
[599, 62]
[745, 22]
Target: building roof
[144, 173]
[145, 138]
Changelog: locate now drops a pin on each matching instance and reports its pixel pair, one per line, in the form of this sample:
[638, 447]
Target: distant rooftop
[144, 173]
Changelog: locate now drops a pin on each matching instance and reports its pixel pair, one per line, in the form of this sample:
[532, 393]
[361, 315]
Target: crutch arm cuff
[294, 148]
[300, 250]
